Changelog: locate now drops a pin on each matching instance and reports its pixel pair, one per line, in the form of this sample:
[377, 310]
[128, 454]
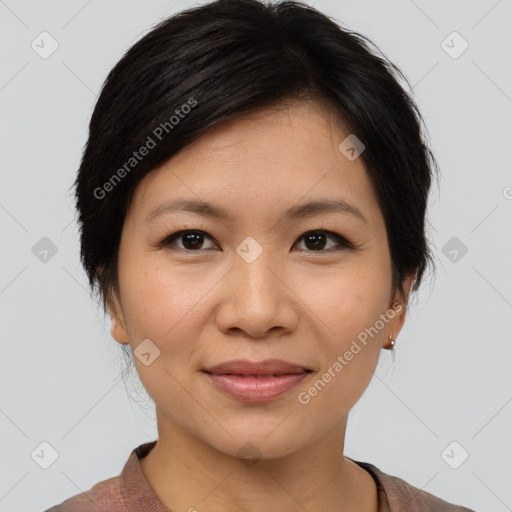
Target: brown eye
[316, 240]
[192, 240]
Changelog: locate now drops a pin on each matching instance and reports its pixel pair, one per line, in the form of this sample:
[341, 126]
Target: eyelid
[342, 240]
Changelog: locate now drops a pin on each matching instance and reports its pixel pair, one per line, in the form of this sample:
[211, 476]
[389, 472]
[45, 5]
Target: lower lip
[256, 389]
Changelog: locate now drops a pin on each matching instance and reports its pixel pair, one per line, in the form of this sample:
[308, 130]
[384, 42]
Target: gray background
[60, 378]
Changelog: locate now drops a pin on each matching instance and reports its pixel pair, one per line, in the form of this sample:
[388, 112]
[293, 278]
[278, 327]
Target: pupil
[194, 238]
[318, 244]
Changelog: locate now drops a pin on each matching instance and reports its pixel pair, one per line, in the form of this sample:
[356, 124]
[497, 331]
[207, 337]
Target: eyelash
[167, 242]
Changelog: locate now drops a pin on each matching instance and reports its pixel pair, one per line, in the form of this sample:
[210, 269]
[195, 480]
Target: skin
[207, 305]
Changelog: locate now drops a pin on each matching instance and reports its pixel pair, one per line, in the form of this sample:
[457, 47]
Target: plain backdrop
[447, 395]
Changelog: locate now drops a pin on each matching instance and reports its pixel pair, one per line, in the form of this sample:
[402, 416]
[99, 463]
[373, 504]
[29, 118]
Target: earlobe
[400, 308]
[118, 332]
[118, 326]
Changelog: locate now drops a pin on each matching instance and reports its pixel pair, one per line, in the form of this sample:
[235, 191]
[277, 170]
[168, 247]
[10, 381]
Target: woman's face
[255, 285]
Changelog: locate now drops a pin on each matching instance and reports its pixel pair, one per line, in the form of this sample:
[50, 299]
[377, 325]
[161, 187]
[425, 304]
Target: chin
[255, 441]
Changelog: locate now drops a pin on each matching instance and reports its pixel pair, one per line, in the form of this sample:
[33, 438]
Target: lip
[252, 382]
[267, 367]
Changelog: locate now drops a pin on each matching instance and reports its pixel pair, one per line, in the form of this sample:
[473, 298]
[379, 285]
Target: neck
[188, 474]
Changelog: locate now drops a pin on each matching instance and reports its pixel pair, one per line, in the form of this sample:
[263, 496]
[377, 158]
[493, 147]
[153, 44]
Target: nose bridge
[255, 300]
[252, 271]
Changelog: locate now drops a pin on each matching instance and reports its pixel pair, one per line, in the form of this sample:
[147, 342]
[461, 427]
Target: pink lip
[256, 388]
[245, 367]
[256, 382]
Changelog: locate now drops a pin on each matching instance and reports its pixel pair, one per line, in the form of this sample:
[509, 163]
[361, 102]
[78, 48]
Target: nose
[256, 298]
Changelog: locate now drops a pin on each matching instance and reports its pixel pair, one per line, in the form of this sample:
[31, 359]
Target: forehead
[264, 161]
[313, 118]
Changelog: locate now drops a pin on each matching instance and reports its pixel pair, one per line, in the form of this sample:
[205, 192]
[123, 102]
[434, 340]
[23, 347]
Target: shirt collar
[137, 493]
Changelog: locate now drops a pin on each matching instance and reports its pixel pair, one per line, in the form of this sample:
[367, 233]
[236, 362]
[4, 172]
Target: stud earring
[391, 343]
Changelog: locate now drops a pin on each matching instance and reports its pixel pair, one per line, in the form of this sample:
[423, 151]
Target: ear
[118, 325]
[115, 311]
[395, 326]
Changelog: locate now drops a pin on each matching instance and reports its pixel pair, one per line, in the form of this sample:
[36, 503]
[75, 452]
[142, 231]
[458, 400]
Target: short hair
[226, 58]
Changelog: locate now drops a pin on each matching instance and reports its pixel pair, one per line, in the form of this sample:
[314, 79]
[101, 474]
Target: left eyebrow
[207, 209]
[324, 206]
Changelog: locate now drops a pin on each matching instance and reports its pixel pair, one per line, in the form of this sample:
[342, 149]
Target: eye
[315, 240]
[193, 240]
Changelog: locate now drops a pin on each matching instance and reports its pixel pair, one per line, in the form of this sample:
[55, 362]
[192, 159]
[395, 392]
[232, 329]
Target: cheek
[159, 301]
[167, 306]
[350, 357]
[162, 307]
[353, 313]
[354, 297]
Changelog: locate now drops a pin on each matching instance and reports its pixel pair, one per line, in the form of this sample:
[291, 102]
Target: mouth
[269, 367]
[248, 381]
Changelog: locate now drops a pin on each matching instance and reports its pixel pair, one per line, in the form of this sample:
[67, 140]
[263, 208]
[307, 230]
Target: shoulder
[403, 496]
[128, 491]
[105, 495]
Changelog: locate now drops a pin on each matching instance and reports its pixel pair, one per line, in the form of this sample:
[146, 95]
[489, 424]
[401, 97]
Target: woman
[252, 202]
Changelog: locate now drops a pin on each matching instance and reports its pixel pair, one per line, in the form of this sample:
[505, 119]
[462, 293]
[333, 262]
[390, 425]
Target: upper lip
[267, 367]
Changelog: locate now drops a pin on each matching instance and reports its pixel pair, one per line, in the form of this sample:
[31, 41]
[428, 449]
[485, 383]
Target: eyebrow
[207, 209]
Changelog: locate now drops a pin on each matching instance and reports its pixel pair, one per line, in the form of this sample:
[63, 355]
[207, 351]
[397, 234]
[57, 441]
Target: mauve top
[130, 492]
